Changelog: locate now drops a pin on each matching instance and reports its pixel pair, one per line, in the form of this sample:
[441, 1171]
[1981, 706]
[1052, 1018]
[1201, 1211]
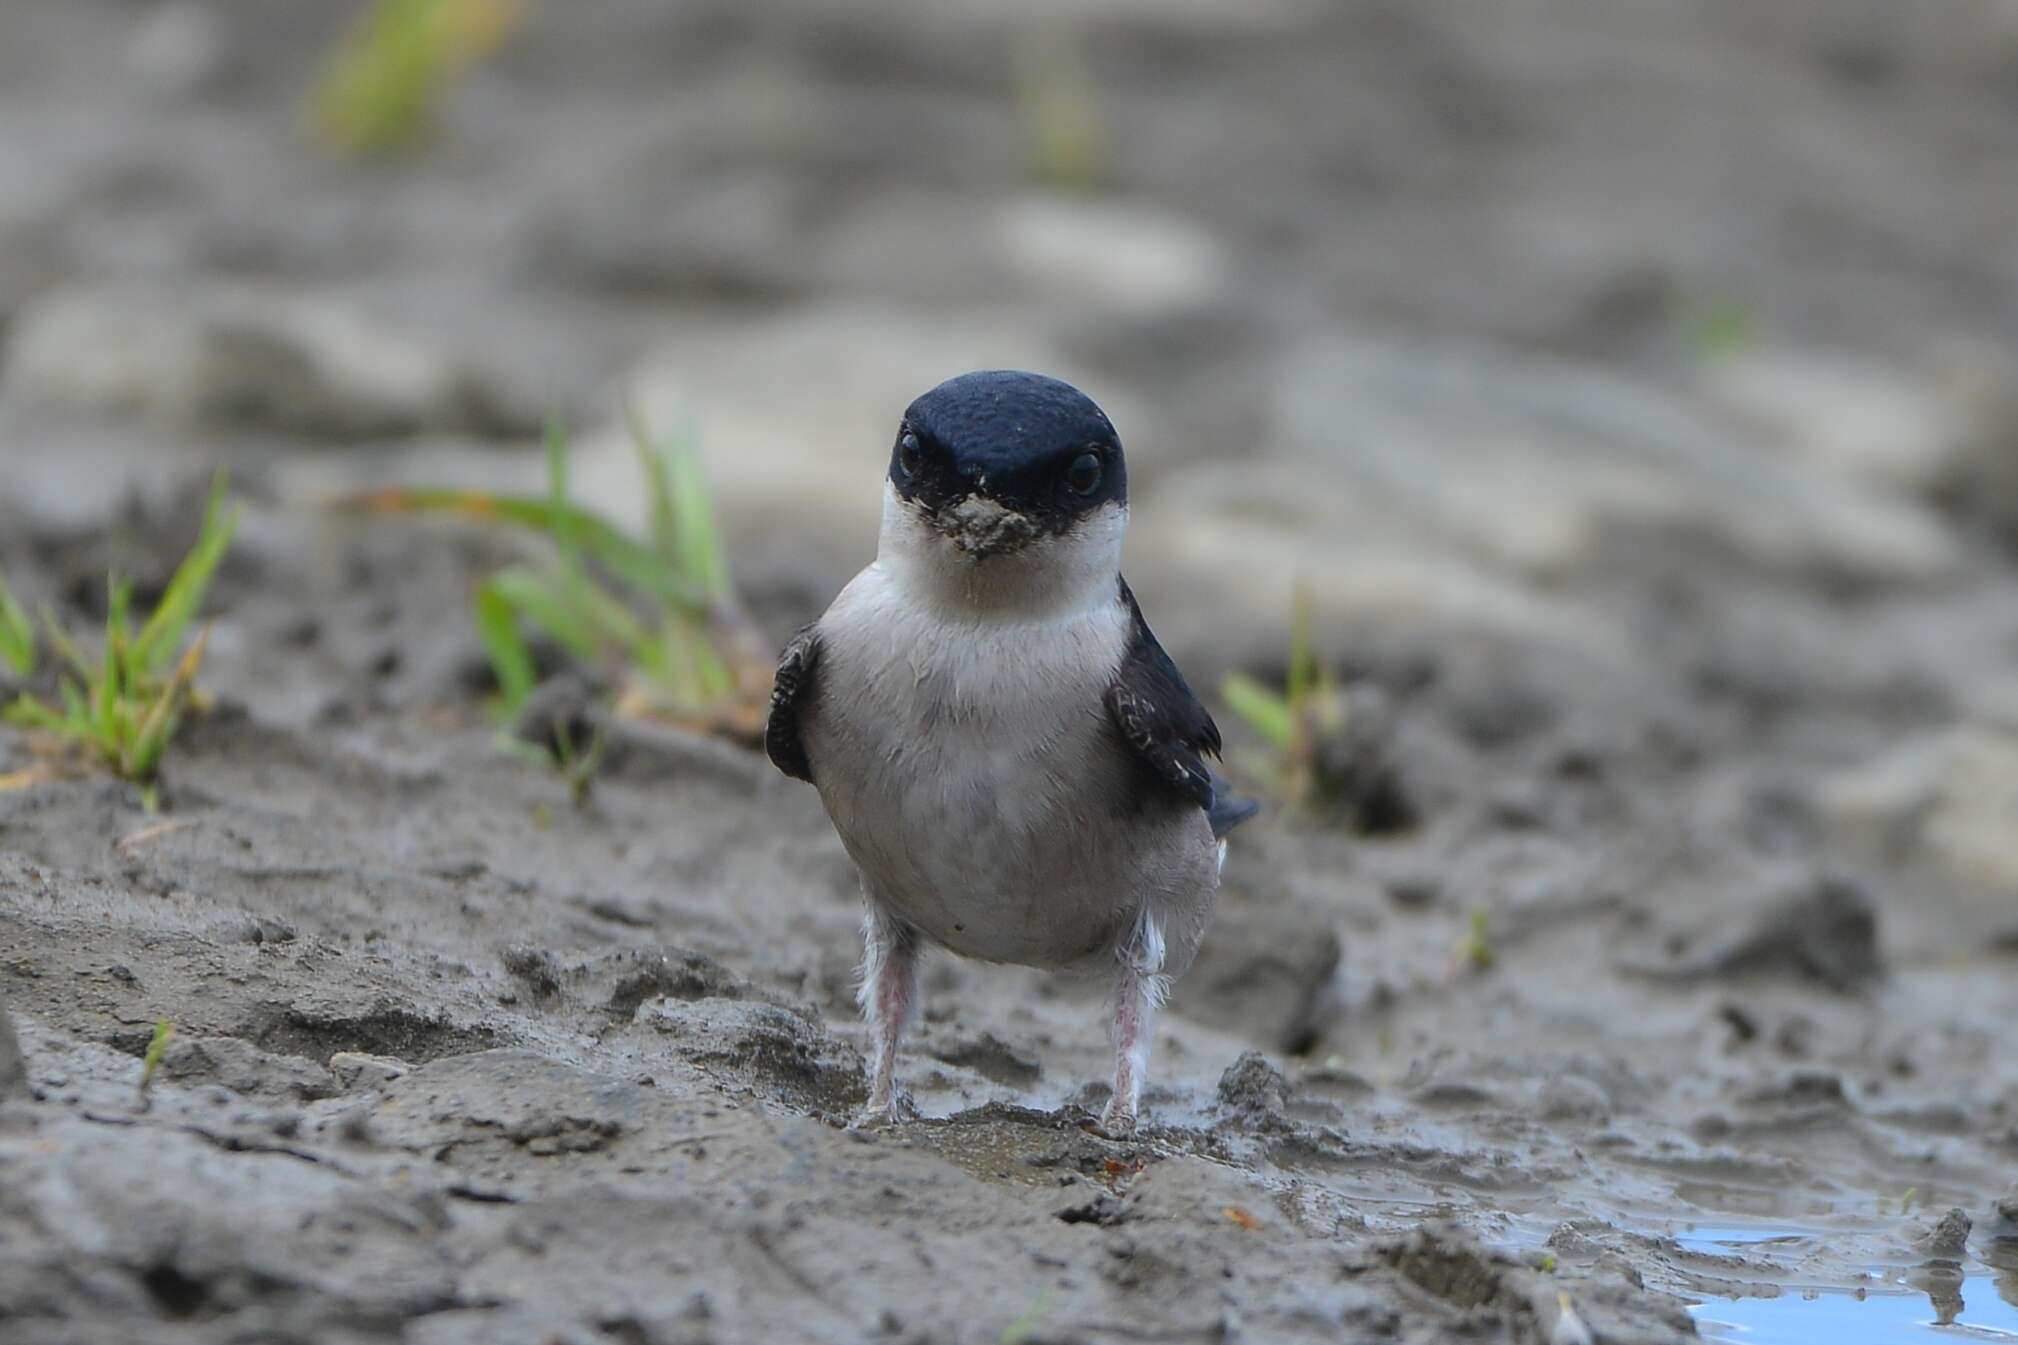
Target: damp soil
[1648, 963]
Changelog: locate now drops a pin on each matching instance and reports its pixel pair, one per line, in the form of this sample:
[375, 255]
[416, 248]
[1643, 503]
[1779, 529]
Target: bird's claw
[1115, 1124]
[892, 1111]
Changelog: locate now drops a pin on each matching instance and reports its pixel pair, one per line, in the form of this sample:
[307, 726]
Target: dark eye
[1083, 476]
[910, 457]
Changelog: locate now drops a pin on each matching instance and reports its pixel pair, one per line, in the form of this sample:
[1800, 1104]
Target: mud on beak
[982, 527]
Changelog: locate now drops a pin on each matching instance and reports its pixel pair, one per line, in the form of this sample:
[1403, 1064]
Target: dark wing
[1163, 724]
[792, 690]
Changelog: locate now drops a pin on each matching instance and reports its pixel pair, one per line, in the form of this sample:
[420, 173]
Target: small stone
[1252, 1084]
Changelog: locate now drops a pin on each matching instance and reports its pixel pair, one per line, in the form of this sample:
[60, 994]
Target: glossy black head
[998, 458]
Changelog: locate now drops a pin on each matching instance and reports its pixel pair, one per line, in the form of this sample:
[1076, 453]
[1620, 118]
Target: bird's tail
[1228, 809]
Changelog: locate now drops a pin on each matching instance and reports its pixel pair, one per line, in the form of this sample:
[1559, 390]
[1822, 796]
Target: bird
[1018, 770]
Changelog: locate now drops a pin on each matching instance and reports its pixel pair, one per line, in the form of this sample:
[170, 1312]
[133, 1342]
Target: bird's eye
[1083, 476]
[910, 457]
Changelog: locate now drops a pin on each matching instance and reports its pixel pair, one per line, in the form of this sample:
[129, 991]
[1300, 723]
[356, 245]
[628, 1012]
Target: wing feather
[794, 687]
[1170, 733]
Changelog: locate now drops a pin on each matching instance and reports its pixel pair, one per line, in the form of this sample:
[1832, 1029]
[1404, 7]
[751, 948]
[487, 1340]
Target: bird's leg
[1139, 990]
[888, 997]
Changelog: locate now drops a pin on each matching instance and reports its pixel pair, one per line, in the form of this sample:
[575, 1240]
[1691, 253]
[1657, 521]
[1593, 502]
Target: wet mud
[1653, 947]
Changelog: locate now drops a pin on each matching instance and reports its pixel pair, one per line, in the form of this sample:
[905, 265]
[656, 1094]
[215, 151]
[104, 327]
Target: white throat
[1051, 577]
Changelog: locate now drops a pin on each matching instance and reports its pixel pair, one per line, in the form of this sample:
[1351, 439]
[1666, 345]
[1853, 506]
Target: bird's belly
[992, 846]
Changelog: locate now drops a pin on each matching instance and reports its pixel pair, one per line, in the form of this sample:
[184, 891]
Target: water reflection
[2002, 1257]
[1941, 1281]
[1975, 1299]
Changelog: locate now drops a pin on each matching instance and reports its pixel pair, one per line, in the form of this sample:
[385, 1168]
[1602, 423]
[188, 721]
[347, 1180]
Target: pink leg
[1139, 990]
[888, 997]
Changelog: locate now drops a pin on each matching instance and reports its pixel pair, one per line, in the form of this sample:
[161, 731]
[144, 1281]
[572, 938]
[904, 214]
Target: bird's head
[1006, 485]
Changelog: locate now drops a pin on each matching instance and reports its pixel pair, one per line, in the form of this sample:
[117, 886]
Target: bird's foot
[1116, 1123]
[881, 1114]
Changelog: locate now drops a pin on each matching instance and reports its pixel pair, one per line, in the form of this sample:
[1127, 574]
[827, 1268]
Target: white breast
[960, 741]
[970, 771]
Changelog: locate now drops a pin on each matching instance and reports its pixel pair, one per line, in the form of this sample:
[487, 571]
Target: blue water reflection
[1941, 1300]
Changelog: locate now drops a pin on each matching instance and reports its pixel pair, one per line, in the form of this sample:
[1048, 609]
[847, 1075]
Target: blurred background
[1636, 372]
[1630, 386]
[1428, 295]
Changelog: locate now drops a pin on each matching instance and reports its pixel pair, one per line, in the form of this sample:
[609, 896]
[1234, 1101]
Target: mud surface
[1634, 392]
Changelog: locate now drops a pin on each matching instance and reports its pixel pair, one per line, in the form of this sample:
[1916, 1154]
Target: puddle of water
[1834, 1317]
[1939, 1301]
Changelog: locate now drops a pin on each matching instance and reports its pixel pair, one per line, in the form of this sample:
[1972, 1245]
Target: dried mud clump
[1253, 1087]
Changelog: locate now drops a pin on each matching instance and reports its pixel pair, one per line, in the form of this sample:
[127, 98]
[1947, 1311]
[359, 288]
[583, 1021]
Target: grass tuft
[1475, 950]
[126, 704]
[657, 614]
[164, 1031]
[1294, 721]
[17, 633]
[382, 87]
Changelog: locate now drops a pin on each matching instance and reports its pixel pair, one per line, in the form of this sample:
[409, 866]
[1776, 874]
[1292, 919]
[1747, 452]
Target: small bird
[1017, 769]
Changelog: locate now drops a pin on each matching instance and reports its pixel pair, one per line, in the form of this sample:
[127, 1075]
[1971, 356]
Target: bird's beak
[981, 527]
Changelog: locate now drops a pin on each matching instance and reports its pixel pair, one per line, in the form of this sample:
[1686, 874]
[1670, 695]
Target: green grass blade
[718, 679]
[497, 625]
[380, 90]
[1302, 648]
[118, 602]
[65, 647]
[702, 562]
[162, 635]
[145, 742]
[536, 598]
[17, 633]
[630, 560]
[613, 624]
[105, 688]
[1262, 710]
[29, 713]
[661, 524]
[76, 710]
[684, 529]
[156, 1046]
[566, 526]
[713, 676]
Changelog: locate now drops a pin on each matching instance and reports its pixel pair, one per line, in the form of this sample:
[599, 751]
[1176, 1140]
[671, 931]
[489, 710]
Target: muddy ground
[1633, 389]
